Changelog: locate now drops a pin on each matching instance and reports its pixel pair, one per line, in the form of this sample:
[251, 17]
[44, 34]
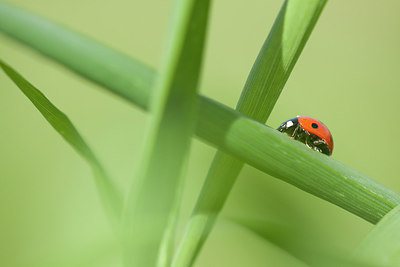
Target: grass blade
[268, 75]
[110, 196]
[278, 155]
[80, 54]
[382, 245]
[277, 57]
[273, 235]
[152, 201]
[254, 143]
[297, 243]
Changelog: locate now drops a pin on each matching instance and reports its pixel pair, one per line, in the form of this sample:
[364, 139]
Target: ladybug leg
[301, 135]
[318, 144]
[295, 132]
[309, 142]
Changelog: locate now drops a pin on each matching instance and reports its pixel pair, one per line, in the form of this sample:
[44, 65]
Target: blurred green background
[347, 76]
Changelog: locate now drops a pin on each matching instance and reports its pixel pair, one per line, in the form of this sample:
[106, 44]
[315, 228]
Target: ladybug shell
[309, 131]
[318, 128]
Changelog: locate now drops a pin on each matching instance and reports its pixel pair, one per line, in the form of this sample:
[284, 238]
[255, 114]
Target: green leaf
[152, 203]
[277, 243]
[291, 161]
[382, 245]
[299, 244]
[268, 75]
[91, 59]
[252, 142]
[109, 194]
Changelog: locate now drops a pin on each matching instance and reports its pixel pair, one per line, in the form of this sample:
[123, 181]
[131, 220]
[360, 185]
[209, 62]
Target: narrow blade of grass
[271, 246]
[152, 202]
[382, 245]
[254, 143]
[268, 75]
[110, 196]
[298, 243]
[80, 54]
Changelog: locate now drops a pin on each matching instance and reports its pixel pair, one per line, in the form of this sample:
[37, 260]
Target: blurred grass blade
[152, 201]
[91, 59]
[254, 143]
[109, 194]
[268, 75]
[286, 236]
[270, 246]
[382, 245]
[296, 242]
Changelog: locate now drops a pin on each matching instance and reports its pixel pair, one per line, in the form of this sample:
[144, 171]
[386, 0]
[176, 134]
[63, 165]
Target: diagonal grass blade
[297, 243]
[110, 196]
[80, 54]
[382, 245]
[268, 75]
[249, 141]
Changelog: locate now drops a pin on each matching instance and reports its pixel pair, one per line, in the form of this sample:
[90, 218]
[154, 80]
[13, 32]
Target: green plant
[239, 134]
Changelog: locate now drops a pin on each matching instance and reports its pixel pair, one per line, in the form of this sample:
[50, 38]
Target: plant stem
[249, 141]
[152, 203]
[266, 80]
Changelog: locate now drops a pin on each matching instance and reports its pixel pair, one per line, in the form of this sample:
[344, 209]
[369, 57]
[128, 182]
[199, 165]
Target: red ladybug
[310, 131]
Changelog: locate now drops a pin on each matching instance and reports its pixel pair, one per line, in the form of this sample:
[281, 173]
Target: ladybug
[310, 131]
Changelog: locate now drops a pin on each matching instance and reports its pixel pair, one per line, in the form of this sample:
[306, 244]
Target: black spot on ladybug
[314, 125]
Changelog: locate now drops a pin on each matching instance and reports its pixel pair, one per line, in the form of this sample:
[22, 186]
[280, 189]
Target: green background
[347, 76]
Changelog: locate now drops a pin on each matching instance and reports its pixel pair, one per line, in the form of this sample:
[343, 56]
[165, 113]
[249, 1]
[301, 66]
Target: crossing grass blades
[145, 220]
